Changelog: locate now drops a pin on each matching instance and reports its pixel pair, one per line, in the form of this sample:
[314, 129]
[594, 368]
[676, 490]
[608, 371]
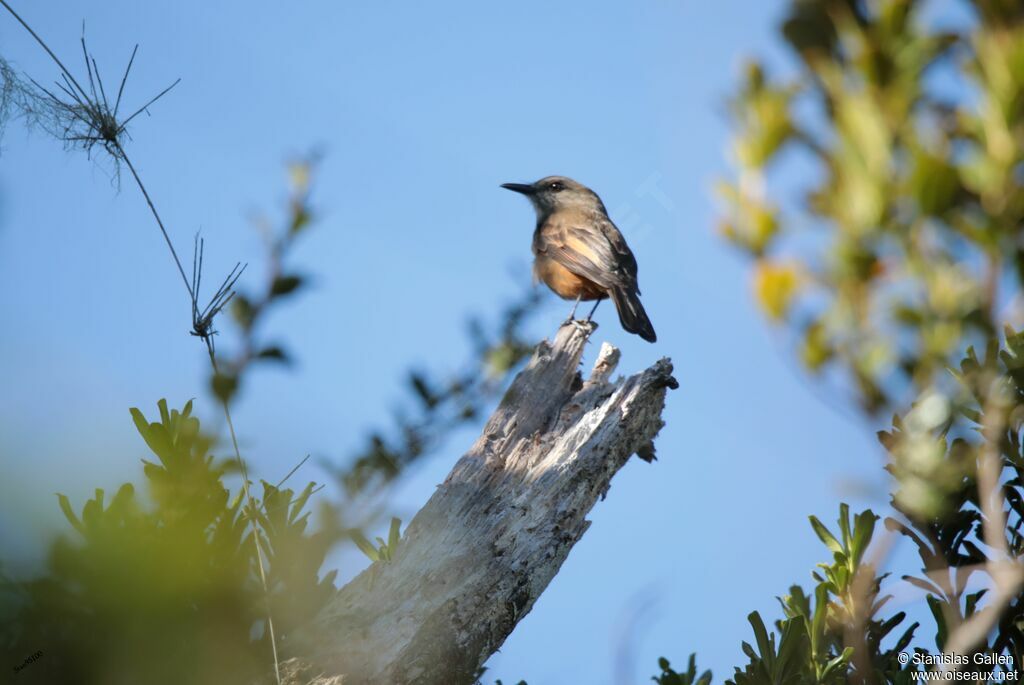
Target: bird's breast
[563, 282]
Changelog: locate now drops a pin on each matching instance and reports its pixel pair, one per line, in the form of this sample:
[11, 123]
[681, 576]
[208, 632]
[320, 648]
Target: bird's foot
[587, 326]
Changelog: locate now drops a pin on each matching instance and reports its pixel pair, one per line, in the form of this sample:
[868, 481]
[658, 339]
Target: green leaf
[243, 311]
[971, 602]
[122, 499]
[886, 627]
[925, 585]
[824, 535]
[364, 545]
[165, 417]
[300, 501]
[863, 529]
[934, 183]
[941, 632]
[224, 386]
[844, 524]
[820, 613]
[394, 534]
[69, 513]
[764, 643]
[905, 639]
[837, 663]
[792, 646]
[285, 285]
[141, 425]
[155, 434]
[300, 219]
[274, 353]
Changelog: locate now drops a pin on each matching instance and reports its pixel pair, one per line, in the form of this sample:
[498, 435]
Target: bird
[580, 253]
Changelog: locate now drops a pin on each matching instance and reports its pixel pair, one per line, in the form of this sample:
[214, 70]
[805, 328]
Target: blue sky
[422, 110]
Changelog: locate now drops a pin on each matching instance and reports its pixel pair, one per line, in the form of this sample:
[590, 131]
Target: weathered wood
[480, 552]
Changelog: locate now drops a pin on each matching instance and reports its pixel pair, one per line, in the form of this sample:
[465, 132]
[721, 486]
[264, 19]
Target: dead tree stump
[480, 552]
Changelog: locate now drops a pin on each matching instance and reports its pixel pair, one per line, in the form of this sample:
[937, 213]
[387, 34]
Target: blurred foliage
[440, 403]
[249, 310]
[384, 550]
[903, 257]
[164, 588]
[938, 450]
[687, 677]
[906, 242]
[478, 677]
[812, 644]
[167, 589]
[837, 636]
[443, 403]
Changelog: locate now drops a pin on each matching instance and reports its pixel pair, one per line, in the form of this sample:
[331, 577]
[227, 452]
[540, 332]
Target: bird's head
[554, 193]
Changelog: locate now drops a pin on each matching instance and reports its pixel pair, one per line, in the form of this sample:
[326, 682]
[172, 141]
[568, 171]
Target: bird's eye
[555, 186]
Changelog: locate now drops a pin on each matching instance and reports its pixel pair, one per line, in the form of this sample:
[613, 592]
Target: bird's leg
[572, 314]
[591, 314]
[586, 327]
[571, 321]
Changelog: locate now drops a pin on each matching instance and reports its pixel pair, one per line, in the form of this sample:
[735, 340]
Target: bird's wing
[590, 247]
[626, 260]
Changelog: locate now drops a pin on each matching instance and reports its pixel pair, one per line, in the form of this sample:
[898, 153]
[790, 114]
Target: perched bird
[580, 254]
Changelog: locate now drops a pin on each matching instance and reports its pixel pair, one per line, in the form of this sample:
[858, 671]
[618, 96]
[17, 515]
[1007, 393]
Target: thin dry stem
[251, 502]
[92, 110]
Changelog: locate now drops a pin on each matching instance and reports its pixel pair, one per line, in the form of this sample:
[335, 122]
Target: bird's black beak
[523, 188]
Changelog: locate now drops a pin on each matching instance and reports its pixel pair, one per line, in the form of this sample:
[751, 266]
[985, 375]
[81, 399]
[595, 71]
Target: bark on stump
[477, 556]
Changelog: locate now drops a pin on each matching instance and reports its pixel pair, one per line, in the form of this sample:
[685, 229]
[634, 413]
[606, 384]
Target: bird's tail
[631, 313]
